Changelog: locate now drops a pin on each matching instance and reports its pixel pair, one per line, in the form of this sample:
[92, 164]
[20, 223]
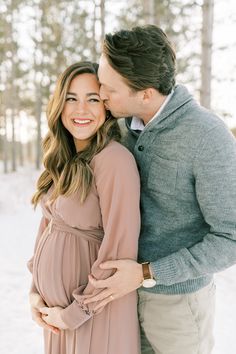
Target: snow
[18, 333]
[19, 223]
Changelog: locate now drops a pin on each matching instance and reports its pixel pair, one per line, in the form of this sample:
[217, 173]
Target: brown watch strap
[146, 271]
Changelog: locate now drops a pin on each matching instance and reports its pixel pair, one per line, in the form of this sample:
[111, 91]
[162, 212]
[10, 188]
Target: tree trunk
[20, 148]
[102, 19]
[206, 63]
[94, 42]
[149, 11]
[11, 87]
[5, 146]
[38, 113]
[13, 141]
[30, 146]
[38, 70]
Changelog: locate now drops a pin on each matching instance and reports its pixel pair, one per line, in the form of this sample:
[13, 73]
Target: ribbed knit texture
[187, 163]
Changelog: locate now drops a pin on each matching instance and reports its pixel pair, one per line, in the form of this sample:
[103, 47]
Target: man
[187, 162]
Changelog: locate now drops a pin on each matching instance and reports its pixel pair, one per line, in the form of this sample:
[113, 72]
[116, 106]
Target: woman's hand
[52, 316]
[36, 302]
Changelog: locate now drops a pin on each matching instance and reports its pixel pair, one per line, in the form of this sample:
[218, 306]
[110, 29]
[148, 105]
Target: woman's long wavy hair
[67, 170]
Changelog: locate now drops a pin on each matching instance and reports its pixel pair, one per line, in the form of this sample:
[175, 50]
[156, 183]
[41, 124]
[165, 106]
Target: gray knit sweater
[187, 163]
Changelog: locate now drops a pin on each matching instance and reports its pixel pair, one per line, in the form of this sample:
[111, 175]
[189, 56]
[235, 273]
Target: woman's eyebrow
[87, 94]
[92, 94]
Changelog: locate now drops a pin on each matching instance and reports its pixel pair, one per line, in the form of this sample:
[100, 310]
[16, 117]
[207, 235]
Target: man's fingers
[103, 303]
[110, 264]
[100, 284]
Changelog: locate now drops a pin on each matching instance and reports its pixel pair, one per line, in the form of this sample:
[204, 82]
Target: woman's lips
[82, 122]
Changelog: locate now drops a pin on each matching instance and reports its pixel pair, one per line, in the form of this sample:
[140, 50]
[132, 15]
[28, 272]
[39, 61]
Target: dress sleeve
[42, 226]
[118, 186]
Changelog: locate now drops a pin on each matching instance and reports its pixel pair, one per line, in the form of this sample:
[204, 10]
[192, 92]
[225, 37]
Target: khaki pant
[177, 324]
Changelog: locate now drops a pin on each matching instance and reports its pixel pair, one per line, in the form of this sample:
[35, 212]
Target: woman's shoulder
[114, 154]
[114, 150]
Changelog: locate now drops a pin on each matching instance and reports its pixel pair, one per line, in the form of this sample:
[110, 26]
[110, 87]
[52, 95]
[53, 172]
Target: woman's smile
[82, 122]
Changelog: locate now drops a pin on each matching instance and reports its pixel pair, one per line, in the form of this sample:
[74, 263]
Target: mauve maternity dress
[73, 240]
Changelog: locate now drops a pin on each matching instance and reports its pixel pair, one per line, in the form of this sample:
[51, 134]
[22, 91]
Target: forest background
[38, 40]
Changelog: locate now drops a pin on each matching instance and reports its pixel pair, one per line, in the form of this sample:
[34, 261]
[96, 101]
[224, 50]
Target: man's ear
[147, 95]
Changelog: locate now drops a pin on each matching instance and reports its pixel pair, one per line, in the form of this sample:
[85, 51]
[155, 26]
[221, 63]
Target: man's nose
[103, 94]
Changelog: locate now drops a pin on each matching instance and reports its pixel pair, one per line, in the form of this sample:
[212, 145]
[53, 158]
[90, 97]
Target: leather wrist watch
[148, 279]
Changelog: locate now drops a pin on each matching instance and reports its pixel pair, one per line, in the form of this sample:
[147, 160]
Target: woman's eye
[70, 99]
[94, 99]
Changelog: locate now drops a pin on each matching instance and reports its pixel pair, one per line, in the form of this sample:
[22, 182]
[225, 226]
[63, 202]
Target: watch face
[149, 283]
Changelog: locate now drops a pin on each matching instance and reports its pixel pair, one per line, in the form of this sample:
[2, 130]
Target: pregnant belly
[62, 264]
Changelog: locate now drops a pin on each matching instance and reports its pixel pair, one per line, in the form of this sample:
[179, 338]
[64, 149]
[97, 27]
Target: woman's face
[83, 112]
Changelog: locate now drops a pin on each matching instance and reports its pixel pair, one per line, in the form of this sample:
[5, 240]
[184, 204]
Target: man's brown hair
[143, 56]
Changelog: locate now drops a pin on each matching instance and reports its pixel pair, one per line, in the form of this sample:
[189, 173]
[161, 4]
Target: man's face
[116, 94]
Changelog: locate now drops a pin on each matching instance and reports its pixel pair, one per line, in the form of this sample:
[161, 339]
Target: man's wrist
[148, 278]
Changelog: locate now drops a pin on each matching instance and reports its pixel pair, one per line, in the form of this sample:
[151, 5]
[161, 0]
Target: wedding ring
[112, 297]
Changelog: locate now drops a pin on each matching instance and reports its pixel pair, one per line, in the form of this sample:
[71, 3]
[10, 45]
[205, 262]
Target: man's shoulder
[185, 110]
[197, 121]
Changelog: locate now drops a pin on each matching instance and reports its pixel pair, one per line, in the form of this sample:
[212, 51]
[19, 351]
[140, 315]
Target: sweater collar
[179, 98]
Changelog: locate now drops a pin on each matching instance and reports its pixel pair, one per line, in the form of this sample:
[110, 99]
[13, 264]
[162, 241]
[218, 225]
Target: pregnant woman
[89, 195]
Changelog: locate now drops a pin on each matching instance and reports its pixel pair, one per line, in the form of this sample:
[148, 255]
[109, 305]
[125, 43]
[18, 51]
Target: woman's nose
[81, 106]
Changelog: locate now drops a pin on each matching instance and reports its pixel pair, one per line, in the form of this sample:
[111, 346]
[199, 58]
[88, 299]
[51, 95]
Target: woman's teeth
[78, 121]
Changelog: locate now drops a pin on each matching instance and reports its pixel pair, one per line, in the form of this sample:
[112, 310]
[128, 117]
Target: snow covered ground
[18, 333]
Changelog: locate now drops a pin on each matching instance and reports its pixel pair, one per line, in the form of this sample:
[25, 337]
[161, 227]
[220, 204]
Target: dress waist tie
[95, 235]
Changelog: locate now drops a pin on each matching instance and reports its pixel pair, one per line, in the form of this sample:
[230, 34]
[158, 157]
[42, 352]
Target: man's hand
[128, 277]
[52, 316]
[36, 302]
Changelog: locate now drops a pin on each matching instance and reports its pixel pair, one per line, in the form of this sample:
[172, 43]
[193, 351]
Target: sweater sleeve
[42, 226]
[215, 186]
[118, 187]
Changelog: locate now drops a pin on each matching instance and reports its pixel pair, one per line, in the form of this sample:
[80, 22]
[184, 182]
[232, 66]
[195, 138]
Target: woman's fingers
[41, 323]
[36, 300]
[37, 317]
[45, 318]
[44, 310]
